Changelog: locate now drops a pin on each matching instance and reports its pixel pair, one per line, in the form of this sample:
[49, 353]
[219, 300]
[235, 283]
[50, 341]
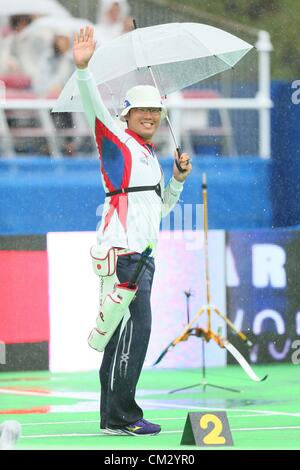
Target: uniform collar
[139, 139]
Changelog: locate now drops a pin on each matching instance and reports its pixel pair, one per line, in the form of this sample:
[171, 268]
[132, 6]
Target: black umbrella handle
[180, 169]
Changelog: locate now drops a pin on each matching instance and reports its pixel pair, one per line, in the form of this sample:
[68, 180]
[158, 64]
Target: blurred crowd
[36, 50]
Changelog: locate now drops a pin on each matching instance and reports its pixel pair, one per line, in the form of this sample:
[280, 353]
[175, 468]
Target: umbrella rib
[223, 60]
[134, 39]
[232, 66]
[191, 34]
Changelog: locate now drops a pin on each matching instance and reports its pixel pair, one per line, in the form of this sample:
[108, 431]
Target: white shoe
[9, 433]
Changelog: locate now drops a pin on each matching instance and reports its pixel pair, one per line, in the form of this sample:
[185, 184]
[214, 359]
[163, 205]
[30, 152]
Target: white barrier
[73, 297]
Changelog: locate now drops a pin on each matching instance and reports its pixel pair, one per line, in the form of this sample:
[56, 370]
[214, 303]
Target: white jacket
[129, 220]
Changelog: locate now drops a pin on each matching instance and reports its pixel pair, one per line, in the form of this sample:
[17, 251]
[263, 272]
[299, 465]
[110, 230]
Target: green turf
[262, 416]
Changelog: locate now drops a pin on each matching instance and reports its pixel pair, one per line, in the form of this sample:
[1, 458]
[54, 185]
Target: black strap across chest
[136, 189]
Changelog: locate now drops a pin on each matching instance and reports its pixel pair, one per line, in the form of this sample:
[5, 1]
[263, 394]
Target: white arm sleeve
[92, 103]
[171, 195]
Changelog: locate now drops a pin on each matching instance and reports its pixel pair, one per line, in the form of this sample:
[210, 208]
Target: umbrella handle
[180, 169]
[178, 149]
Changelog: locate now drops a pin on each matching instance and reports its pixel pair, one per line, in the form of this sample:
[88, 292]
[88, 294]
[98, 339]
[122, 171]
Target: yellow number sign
[214, 436]
[207, 429]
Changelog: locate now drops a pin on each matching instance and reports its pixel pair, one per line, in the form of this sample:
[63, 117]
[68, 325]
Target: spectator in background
[54, 67]
[15, 56]
[52, 72]
[113, 19]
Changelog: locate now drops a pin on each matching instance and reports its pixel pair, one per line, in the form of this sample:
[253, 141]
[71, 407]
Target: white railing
[26, 104]
[264, 48]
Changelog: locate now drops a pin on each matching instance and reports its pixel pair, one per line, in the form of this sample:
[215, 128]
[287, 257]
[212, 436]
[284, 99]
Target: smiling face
[144, 122]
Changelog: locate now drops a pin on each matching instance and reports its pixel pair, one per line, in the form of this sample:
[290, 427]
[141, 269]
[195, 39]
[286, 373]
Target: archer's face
[144, 122]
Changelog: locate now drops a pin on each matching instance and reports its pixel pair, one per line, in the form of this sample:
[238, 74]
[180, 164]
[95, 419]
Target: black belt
[136, 189]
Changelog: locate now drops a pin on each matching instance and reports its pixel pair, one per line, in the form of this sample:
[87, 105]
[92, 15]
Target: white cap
[143, 96]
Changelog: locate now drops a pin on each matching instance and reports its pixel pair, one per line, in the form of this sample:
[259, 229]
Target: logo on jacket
[144, 159]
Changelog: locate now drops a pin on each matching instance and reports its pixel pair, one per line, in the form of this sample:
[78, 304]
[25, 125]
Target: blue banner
[263, 292]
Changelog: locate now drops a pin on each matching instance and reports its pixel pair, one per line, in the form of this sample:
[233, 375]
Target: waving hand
[84, 47]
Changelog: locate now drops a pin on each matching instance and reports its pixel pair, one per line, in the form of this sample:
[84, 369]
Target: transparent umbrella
[170, 56]
[32, 7]
[177, 54]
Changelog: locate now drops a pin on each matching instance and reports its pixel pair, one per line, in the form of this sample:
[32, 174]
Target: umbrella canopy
[180, 54]
[32, 7]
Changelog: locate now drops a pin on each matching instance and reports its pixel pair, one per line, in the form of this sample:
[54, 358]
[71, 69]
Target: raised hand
[84, 47]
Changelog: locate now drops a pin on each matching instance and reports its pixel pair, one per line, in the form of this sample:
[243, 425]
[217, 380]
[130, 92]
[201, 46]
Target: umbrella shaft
[173, 135]
[167, 117]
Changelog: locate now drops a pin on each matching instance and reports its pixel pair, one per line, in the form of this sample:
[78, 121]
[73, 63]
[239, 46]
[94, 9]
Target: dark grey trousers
[124, 356]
